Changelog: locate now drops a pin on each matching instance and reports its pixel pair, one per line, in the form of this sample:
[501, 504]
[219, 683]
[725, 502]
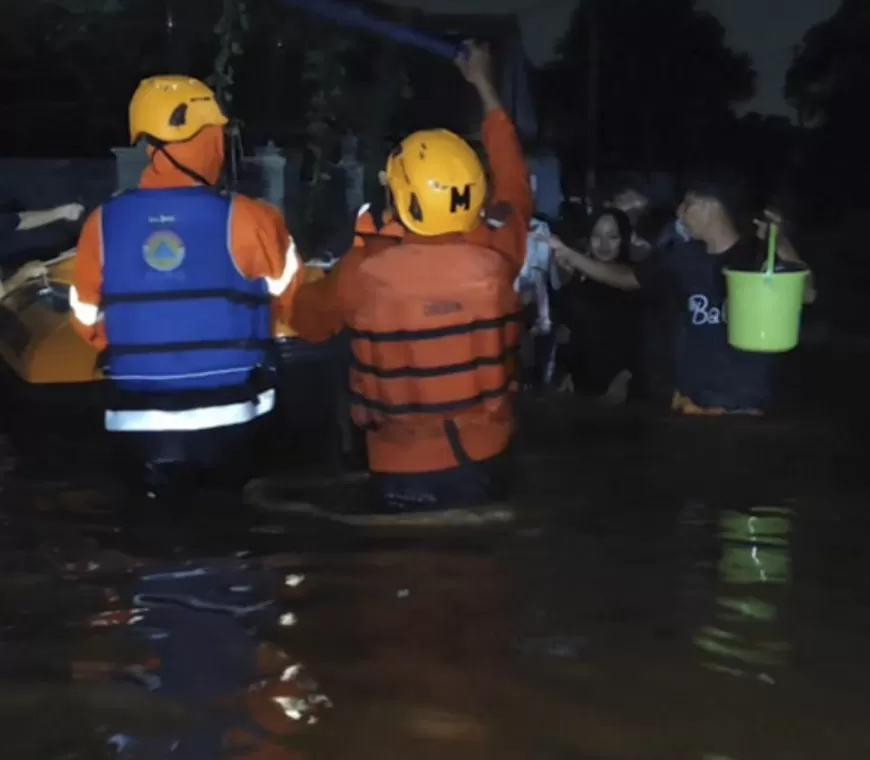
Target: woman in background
[601, 355]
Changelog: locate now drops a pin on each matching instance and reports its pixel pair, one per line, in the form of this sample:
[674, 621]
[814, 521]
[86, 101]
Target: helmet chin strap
[160, 147]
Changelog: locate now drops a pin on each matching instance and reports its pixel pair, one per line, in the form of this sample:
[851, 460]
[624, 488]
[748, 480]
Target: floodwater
[673, 589]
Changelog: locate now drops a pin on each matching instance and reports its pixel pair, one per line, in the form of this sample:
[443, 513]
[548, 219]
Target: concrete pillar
[129, 163]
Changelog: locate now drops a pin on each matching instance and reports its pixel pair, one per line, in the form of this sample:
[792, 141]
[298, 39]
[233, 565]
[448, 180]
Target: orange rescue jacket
[434, 341]
[401, 441]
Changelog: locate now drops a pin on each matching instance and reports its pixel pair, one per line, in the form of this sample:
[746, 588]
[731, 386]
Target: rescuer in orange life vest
[432, 315]
[178, 284]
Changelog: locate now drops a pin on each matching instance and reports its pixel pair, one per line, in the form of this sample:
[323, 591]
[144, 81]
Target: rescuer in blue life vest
[178, 285]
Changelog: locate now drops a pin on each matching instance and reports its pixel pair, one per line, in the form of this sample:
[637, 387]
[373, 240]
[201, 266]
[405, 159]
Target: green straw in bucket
[772, 235]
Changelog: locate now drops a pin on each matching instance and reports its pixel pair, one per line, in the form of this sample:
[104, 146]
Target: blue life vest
[180, 318]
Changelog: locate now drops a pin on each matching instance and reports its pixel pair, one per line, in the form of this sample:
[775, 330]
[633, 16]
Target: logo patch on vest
[163, 251]
[441, 308]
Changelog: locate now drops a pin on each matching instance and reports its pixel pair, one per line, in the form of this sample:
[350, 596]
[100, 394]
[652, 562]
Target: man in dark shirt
[709, 376]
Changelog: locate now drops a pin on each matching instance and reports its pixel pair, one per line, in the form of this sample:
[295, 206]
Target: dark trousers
[470, 484]
[174, 462]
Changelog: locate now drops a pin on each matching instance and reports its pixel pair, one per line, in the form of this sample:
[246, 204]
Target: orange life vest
[434, 339]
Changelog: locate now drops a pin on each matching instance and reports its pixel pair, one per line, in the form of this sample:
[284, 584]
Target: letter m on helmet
[437, 183]
[460, 199]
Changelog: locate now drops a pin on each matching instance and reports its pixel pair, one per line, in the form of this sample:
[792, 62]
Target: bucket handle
[772, 239]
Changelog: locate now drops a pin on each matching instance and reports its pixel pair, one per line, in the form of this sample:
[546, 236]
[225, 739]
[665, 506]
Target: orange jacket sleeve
[262, 247]
[511, 195]
[86, 291]
[320, 308]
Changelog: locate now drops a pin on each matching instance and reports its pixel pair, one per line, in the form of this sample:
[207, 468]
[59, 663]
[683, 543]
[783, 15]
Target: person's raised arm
[510, 191]
[615, 275]
[507, 164]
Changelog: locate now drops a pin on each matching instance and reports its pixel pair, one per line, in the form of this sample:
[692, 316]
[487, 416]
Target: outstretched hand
[70, 212]
[762, 225]
[32, 270]
[557, 244]
[475, 63]
[564, 255]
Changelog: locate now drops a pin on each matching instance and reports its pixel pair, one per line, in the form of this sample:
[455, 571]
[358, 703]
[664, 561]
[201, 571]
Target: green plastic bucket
[764, 310]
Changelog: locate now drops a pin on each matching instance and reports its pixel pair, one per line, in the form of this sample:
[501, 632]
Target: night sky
[767, 29]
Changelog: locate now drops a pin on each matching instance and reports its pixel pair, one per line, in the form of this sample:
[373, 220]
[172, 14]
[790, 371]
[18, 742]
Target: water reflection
[145, 658]
[746, 637]
[625, 623]
[199, 619]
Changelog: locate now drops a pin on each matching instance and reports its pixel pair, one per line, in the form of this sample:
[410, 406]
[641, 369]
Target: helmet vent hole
[414, 209]
[179, 116]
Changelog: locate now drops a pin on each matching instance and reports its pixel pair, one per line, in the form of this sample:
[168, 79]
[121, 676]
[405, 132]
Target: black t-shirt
[707, 369]
[605, 326]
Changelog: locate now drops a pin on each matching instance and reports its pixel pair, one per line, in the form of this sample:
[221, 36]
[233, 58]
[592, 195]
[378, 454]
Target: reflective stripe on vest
[436, 336]
[179, 316]
[203, 418]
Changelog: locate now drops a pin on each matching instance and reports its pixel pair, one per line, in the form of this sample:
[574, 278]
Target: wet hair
[723, 185]
[623, 225]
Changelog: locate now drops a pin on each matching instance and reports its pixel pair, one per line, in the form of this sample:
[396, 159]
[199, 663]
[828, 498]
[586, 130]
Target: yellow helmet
[173, 108]
[437, 182]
